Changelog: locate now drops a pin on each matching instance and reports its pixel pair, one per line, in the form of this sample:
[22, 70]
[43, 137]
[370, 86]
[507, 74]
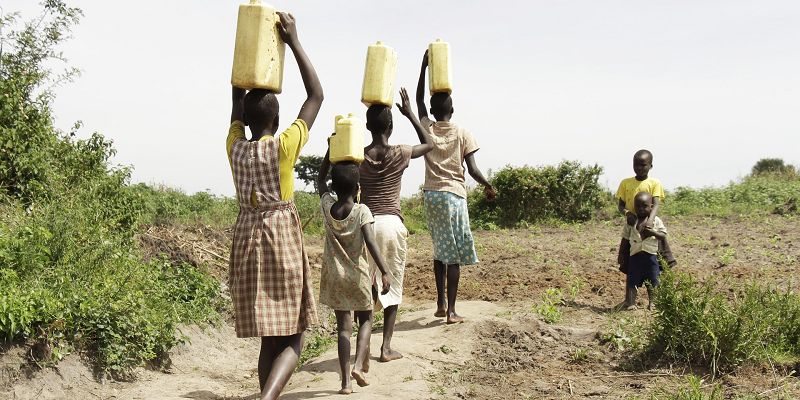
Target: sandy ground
[503, 351]
[217, 365]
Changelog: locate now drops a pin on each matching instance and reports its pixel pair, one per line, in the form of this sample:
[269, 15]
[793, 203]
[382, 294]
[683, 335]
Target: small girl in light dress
[345, 284]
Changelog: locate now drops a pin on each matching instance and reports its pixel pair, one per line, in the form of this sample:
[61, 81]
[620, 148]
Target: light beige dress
[345, 284]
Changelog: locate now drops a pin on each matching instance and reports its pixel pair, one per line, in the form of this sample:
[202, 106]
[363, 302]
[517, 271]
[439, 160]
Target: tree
[27, 136]
[307, 169]
[772, 166]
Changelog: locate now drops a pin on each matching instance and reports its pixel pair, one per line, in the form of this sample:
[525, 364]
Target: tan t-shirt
[648, 244]
[380, 180]
[444, 165]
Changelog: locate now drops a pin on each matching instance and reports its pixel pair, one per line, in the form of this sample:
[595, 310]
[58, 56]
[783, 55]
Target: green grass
[549, 304]
[316, 343]
[753, 195]
[701, 324]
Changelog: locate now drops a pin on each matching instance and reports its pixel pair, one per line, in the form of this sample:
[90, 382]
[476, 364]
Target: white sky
[709, 86]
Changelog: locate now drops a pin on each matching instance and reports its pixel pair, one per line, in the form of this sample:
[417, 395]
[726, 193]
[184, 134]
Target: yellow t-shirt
[629, 187]
[292, 141]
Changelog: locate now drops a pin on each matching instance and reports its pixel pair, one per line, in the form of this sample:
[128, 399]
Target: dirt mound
[199, 246]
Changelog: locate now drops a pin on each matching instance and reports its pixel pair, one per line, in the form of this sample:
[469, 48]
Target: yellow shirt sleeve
[621, 191]
[657, 190]
[235, 132]
[292, 141]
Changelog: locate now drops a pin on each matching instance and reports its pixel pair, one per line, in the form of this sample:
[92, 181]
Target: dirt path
[217, 365]
[427, 345]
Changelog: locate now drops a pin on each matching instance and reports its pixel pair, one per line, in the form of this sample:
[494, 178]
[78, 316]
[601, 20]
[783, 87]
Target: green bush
[65, 276]
[70, 271]
[698, 324]
[568, 191]
[757, 194]
[772, 166]
[413, 209]
[165, 205]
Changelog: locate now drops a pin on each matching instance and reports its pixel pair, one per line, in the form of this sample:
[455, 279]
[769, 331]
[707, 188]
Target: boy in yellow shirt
[642, 182]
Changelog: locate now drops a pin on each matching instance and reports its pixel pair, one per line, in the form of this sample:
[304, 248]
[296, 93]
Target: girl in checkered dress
[270, 278]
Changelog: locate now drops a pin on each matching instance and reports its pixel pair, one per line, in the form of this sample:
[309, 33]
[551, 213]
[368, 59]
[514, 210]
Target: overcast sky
[709, 86]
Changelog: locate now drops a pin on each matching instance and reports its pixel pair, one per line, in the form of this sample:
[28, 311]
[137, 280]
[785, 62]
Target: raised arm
[405, 108]
[422, 110]
[325, 167]
[475, 173]
[310, 109]
[237, 104]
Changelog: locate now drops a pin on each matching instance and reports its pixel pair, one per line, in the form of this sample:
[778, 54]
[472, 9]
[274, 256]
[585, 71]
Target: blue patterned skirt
[448, 222]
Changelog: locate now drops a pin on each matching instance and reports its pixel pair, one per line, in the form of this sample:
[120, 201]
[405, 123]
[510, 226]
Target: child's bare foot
[440, 313]
[360, 378]
[454, 318]
[389, 355]
[346, 390]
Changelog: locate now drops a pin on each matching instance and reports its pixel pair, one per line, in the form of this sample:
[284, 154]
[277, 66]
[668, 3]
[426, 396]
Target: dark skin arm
[653, 212]
[630, 216]
[421, 109]
[322, 185]
[648, 231]
[375, 252]
[476, 174]
[405, 109]
[237, 104]
[314, 97]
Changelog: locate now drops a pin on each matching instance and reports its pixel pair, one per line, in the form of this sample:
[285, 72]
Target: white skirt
[391, 235]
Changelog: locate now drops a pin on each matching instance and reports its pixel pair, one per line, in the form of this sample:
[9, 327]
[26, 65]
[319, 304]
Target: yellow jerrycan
[347, 143]
[258, 54]
[440, 74]
[379, 74]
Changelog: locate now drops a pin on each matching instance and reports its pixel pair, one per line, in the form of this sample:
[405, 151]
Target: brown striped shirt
[444, 165]
[380, 180]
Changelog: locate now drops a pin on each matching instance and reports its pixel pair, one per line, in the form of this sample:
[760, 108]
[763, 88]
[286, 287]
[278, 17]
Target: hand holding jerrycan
[379, 74]
[440, 73]
[259, 51]
[347, 142]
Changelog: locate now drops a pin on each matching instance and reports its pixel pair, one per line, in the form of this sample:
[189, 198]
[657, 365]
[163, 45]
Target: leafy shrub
[772, 166]
[310, 216]
[699, 325]
[548, 306]
[568, 191]
[70, 273]
[163, 205]
[64, 275]
[758, 194]
[413, 209]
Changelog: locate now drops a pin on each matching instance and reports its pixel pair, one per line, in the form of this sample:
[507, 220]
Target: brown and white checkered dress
[270, 278]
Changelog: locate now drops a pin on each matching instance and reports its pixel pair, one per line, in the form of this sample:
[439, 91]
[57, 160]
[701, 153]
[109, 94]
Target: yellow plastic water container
[379, 74]
[440, 73]
[347, 143]
[259, 50]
